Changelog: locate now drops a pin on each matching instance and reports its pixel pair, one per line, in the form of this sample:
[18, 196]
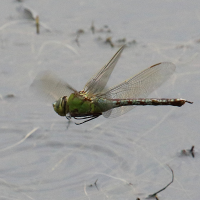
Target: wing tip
[155, 65]
[170, 65]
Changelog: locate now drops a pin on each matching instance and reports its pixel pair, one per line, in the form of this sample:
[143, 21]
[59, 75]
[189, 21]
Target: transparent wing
[98, 82]
[139, 86]
[48, 85]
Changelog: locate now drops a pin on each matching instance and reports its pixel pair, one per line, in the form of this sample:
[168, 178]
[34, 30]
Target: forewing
[48, 85]
[98, 82]
[139, 86]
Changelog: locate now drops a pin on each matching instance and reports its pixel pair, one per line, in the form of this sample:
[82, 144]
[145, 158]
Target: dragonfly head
[60, 106]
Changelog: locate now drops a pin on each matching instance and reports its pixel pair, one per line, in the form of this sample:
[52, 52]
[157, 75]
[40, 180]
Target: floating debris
[109, 41]
[104, 36]
[105, 29]
[29, 13]
[155, 194]
[188, 152]
[95, 183]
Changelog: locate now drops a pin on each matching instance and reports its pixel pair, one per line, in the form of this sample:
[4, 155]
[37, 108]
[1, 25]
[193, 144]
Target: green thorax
[79, 105]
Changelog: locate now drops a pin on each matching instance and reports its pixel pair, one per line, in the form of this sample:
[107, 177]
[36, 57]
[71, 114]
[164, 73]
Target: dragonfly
[95, 100]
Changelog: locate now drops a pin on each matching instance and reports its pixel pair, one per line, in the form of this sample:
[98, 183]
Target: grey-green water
[41, 158]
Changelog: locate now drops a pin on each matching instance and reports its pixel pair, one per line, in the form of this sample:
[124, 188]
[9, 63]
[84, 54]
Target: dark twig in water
[155, 194]
[109, 41]
[188, 152]
[192, 151]
[95, 183]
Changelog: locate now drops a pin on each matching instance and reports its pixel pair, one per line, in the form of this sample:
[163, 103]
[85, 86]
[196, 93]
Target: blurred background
[44, 157]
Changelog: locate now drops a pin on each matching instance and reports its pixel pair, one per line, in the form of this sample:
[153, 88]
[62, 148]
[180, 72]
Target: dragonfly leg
[81, 118]
[68, 117]
[90, 118]
[68, 123]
